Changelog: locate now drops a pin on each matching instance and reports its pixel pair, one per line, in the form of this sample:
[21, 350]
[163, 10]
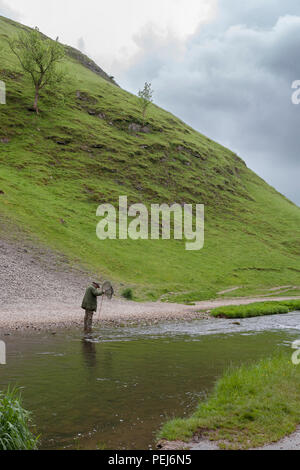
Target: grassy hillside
[57, 168]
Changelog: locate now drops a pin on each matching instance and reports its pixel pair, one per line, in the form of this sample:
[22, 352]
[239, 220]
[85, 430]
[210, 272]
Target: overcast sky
[224, 66]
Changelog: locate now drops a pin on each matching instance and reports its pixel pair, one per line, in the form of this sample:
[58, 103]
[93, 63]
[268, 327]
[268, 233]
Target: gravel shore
[40, 290]
[291, 442]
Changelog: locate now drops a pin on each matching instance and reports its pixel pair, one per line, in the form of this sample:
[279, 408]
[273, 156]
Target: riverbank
[40, 290]
[291, 442]
[254, 407]
[53, 314]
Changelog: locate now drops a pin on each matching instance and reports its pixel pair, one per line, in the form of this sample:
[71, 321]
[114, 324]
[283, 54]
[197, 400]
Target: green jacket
[90, 299]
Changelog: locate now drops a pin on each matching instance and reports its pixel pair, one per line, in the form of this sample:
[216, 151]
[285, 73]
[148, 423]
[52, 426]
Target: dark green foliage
[127, 294]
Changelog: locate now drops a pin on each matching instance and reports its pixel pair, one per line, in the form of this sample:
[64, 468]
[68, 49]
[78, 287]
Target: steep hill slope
[57, 168]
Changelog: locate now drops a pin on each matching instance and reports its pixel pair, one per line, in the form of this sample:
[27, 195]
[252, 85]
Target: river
[115, 391]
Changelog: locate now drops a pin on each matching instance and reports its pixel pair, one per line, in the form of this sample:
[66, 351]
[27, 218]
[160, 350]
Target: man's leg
[88, 322]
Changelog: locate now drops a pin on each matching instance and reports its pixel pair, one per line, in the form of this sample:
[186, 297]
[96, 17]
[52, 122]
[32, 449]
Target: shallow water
[116, 391]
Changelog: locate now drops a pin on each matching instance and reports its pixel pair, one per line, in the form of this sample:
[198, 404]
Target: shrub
[127, 294]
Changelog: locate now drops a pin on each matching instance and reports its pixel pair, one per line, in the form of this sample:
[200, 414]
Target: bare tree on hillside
[145, 99]
[39, 58]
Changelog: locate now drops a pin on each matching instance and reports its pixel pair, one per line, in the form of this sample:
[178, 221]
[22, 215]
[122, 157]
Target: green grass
[190, 297]
[256, 309]
[62, 164]
[255, 291]
[249, 407]
[14, 423]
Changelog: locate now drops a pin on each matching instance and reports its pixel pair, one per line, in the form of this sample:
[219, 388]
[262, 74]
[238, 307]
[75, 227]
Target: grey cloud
[5, 10]
[81, 44]
[233, 83]
[255, 13]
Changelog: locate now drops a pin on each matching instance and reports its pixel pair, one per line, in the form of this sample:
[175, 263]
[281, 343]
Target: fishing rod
[108, 292]
[100, 309]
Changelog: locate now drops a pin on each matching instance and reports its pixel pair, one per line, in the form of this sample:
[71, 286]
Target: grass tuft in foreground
[249, 407]
[14, 423]
[257, 309]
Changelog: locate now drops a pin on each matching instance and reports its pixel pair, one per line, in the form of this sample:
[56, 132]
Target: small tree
[39, 57]
[145, 99]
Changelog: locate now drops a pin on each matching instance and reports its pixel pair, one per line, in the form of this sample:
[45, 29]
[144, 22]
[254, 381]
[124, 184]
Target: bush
[14, 424]
[127, 294]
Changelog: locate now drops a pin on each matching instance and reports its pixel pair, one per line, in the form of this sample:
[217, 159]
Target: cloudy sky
[224, 66]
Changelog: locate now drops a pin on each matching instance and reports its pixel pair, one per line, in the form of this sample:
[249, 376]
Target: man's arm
[97, 292]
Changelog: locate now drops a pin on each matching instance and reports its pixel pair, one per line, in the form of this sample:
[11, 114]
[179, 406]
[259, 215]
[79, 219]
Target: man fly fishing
[90, 304]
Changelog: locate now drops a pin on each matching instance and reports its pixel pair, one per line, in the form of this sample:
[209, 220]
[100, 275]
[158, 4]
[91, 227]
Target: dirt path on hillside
[40, 290]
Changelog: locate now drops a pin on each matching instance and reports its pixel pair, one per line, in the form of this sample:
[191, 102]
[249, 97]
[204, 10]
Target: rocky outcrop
[88, 63]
